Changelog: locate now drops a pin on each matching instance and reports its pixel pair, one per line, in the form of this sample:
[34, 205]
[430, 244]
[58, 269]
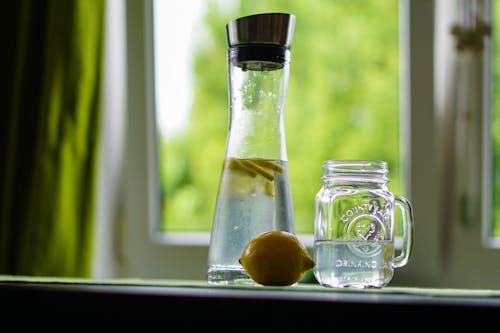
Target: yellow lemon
[276, 258]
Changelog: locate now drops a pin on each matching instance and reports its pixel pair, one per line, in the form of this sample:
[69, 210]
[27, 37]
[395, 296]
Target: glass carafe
[254, 192]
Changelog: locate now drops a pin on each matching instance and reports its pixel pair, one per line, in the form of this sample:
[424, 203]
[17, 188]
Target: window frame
[135, 248]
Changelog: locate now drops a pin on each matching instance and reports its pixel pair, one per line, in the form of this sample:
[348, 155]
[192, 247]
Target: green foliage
[342, 102]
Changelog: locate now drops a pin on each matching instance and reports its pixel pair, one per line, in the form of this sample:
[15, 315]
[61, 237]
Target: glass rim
[357, 164]
[351, 170]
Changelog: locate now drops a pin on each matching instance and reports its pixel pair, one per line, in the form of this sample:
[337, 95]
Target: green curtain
[49, 134]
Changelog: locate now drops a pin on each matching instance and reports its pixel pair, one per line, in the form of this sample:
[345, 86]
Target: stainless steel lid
[267, 28]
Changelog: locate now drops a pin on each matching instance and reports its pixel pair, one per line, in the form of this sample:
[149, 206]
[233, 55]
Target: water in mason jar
[349, 263]
[254, 197]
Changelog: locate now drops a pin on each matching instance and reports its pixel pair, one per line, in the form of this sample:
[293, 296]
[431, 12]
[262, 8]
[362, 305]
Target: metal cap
[267, 28]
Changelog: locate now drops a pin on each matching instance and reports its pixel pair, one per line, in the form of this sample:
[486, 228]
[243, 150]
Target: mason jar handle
[407, 212]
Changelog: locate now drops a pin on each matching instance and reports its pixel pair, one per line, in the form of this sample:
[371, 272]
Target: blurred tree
[343, 102]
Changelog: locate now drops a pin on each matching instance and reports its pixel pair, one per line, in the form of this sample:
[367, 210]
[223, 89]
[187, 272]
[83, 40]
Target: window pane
[342, 101]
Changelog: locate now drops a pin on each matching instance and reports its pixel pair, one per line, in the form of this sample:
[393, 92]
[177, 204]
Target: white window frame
[126, 245]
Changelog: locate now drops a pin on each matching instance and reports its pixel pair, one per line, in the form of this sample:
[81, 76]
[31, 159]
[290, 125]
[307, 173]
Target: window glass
[342, 101]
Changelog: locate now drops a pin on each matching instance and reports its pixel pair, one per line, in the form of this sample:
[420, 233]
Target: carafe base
[219, 275]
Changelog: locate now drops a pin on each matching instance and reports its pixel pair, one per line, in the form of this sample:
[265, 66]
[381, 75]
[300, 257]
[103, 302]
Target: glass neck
[257, 93]
[356, 173]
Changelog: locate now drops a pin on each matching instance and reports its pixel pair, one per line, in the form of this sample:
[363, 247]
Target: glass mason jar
[254, 194]
[355, 226]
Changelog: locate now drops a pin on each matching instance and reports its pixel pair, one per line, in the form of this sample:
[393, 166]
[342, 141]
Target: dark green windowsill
[306, 287]
[149, 298]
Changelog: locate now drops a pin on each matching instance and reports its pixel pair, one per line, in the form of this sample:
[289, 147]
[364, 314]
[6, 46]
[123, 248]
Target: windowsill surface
[199, 284]
[148, 298]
